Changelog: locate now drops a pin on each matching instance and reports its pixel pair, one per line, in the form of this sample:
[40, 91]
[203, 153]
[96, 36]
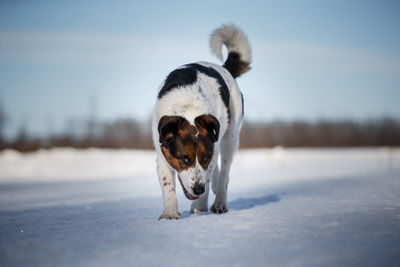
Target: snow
[287, 207]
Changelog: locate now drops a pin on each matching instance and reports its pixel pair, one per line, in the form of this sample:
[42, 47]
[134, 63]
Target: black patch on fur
[223, 88]
[178, 78]
[234, 65]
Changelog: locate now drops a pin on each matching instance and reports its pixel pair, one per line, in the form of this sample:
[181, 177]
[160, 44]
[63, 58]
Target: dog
[197, 119]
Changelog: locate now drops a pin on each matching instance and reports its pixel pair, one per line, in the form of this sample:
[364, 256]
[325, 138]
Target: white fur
[233, 38]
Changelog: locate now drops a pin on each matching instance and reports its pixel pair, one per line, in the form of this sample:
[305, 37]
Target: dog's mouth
[187, 194]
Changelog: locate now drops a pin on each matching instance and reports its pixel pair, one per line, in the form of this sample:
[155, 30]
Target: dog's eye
[185, 160]
[204, 159]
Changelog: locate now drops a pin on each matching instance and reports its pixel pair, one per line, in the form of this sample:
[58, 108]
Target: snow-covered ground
[288, 207]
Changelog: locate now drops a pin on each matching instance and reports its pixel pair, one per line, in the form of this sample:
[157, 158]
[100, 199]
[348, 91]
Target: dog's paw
[198, 210]
[170, 214]
[199, 206]
[219, 207]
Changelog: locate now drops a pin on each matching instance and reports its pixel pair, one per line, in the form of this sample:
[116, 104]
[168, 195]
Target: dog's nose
[198, 188]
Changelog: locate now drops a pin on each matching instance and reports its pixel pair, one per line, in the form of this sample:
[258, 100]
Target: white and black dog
[197, 117]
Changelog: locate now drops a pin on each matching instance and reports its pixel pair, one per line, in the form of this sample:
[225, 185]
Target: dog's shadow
[241, 204]
[248, 203]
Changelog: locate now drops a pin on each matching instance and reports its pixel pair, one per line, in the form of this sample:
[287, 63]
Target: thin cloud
[309, 56]
[90, 48]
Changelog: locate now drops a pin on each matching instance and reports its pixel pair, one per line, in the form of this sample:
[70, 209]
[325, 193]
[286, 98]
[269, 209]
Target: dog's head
[189, 149]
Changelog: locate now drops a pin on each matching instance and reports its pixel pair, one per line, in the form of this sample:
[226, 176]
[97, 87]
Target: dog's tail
[239, 50]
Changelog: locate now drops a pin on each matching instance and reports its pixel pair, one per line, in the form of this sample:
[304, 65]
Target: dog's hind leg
[166, 178]
[214, 179]
[229, 145]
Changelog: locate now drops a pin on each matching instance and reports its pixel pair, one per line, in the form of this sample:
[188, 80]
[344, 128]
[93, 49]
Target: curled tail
[239, 50]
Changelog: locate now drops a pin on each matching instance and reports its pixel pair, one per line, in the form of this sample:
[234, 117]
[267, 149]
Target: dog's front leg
[201, 204]
[166, 178]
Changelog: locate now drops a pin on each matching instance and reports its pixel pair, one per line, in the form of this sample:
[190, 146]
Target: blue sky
[312, 59]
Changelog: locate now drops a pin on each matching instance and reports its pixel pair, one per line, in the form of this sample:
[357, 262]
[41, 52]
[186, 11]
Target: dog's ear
[208, 125]
[168, 127]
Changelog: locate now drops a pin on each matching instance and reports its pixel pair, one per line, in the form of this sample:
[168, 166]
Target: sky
[70, 60]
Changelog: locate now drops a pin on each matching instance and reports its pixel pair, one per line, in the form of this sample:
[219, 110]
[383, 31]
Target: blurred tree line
[322, 133]
[130, 133]
[123, 133]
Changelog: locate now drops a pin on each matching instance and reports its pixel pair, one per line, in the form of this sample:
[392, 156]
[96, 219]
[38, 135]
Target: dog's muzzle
[198, 189]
